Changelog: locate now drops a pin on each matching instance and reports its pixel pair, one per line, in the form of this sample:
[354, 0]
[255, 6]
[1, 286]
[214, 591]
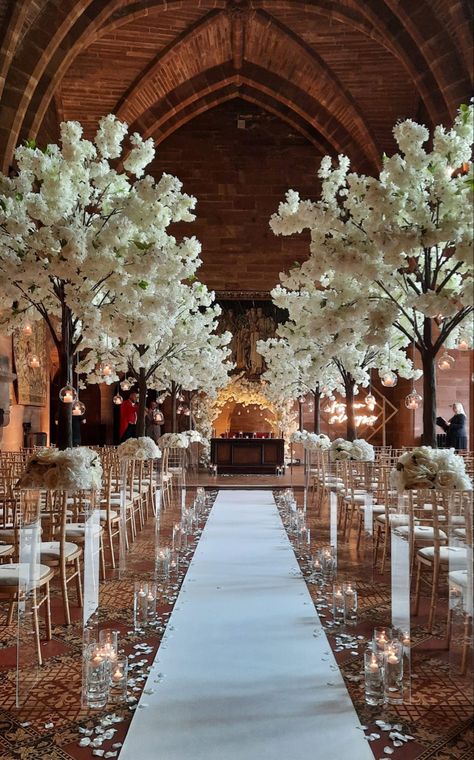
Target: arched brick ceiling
[339, 69]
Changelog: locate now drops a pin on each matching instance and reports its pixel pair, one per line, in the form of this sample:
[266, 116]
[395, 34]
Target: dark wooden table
[247, 455]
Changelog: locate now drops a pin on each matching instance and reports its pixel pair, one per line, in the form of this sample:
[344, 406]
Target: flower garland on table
[425, 467]
[173, 441]
[76, 469]
[358, 450]
[139, 448]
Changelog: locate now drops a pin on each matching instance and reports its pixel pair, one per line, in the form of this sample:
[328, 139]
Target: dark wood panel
[243, 455]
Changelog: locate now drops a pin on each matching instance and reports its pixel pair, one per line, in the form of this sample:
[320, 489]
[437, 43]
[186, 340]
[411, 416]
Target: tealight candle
[393, 672]
[381, 637]
[337, 603]
[350, 603]
[67, 398]
[118, 681]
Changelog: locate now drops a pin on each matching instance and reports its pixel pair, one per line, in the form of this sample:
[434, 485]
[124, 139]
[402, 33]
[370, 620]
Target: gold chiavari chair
[461, 580]
[14, 575]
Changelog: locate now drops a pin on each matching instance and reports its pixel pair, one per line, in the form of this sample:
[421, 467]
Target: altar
[247, 455]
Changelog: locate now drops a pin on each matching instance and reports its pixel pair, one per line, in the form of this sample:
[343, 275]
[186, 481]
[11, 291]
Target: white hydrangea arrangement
[77, 469]
[174, 441]
[311, 441]
[426, 467]
[358, 450]
[194, 436]
[139, 448]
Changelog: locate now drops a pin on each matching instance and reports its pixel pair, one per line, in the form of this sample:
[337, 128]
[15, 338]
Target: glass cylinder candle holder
[350, 603]
[374, 677]
[151, 602]
[337, 603]
[381, 637]
[108, 645]
[393, 672]
[118, 681]
[176, 539]
[140, 605]
[174, 564]
[328, 558]
[97, 673]
[162, 564]
[317, 565]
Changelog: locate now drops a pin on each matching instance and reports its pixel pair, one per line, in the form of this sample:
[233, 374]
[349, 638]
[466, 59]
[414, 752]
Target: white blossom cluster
[142, 448]
[75, 469]
[311, 441]
[173, 441]
[425, 467]
[403, 240]
[358, 450]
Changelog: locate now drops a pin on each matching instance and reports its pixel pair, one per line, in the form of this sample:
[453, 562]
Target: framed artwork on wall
[31, 381]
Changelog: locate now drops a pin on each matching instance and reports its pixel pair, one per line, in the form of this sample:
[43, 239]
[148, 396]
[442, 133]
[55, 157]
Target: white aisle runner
[244, 677]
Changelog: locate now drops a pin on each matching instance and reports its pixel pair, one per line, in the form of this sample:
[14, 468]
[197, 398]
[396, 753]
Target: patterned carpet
[440, 711]
[51, 724]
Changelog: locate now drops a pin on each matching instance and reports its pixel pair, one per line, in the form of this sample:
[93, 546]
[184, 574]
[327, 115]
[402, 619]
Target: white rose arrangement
[426, 467]
[358, 450]
[76, 469]
[194, 436]
[317, 441]
[173, 441]
[139, 448]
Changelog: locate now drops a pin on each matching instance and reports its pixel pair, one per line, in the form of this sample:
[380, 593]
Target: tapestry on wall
[249, 320]
[32, 382]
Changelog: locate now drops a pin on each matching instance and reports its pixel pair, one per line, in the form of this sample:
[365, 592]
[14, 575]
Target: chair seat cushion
[423, 532]
[103, 514]
[460, 532]
[459, 578]
[454, 555]
[11, 575]
[6, 549]
[50, 550]
[78, 530]
[394, 519]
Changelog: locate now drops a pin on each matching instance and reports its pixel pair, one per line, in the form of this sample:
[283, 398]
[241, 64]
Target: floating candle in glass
[374, 677]
[350, 603]
[393, 672]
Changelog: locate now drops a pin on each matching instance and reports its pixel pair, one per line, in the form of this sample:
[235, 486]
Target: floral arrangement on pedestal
[173, 441]
[139, 448]
[311, 441]
[426, 467]
[194, 436]
[358, 450]
[77, 469]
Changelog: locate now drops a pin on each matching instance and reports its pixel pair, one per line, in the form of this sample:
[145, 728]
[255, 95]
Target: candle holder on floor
[118, 681]
[393, 672]
[350, 603]
[96, 679]
[374, 677]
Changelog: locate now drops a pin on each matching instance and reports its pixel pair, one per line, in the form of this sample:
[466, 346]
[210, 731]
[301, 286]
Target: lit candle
[117, 675]
[67, 398]
[373, 665]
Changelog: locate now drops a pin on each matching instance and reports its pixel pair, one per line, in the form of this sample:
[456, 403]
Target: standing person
[152, 428]
[455, 429]
[128, 417]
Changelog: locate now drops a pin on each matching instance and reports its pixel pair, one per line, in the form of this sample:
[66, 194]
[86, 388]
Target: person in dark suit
[455, 429]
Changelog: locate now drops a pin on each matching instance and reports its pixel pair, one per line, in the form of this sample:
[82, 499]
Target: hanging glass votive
[446, 362]
[463, 345]
[106, 369]
[27, 330]
[370, 401]
[125, 384]
[68, 394]
[117, 399]
[158, 416]
[389, 379]
[78, 408]
[413, 401]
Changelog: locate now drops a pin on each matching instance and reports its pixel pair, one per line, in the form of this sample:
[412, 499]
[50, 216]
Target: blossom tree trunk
[142, 390]
[174, 395]
[350, 424]
[429, 399]
[317, 410]
[65, 348]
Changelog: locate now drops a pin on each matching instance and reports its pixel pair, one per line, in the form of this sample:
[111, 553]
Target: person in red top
[128, 417]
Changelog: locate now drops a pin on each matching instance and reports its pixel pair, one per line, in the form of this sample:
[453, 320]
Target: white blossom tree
[405, 236]
[169, 342]
[337, 337]
[78, 238]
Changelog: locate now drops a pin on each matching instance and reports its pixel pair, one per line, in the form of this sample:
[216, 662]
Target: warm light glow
[67, 394]
[33, 361]
[78, 409]
[446, 362]
[27, 330]
[117, 399]
[106, 370]
[413, 401]
[337, 411]
[462, 345]
[370, 401]
[389, 379]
